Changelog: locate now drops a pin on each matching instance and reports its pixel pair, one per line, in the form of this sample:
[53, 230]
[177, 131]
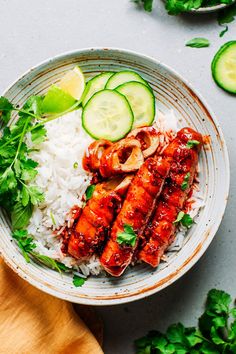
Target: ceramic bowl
[172, 93]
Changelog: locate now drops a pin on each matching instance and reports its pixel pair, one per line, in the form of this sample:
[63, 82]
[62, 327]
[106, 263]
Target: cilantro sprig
[128, 237]
[27, 245]
[215, 334]
[18, 193]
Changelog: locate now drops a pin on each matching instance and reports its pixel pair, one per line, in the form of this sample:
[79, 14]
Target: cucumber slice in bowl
[141, 100]
[107, 115]
[223, 67]
[94, 85]
[124, 76]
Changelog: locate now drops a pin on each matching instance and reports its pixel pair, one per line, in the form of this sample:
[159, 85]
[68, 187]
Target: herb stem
[53, 117]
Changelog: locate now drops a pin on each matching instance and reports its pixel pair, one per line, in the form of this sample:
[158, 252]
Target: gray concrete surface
[31, 31]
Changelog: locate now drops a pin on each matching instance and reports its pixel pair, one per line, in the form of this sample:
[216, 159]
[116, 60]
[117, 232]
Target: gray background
[31, 31]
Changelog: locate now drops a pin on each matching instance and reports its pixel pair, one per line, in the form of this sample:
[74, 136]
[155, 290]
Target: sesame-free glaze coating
[91, 229]
[160, 233]
[135, 212]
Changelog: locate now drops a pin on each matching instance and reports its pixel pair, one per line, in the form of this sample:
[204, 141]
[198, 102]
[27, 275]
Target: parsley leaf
[127, 237]
[185, 183]
[198, 43]
[191, 143]
[78, 281]
[5, 109]
[89, 191]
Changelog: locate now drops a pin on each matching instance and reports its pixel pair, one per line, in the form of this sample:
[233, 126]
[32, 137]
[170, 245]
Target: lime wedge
[73, 83]
[57, 101]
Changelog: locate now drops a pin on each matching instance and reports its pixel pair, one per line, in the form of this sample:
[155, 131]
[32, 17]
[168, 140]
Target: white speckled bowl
[174, 93]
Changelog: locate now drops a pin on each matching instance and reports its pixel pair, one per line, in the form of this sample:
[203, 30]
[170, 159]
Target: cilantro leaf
[128, 237]
[25, 242]
[187, 221]
[33, 105]
[36, 196]
[89, 191]
[191, 143]
[175, 333]
[21, 215]
[185, 183]
[6, 107]
[218, 301]
[25, 196]
[198, 43]
[38, 134]
[78, 281]
[7, 181]
[179, 217]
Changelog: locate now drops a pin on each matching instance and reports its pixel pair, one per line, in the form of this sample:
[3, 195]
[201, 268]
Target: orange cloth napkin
[33, 322]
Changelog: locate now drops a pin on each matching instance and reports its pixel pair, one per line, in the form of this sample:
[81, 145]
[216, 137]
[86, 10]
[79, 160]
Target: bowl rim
[195, 254]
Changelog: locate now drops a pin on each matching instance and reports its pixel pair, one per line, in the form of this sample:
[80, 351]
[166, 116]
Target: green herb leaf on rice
[184, 219]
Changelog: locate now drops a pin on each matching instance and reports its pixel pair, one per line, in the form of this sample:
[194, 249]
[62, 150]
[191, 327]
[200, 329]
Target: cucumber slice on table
[141, 100]
[124, 76]
[94, 85]
[224, 67]
[107, 115]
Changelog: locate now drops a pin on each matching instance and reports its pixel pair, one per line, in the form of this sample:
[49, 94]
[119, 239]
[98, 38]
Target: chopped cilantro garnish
[185, 219]
[89, 191]
[191, 143]
[128, 237]
[185, 183]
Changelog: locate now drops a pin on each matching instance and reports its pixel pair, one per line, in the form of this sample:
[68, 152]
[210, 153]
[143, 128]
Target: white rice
[64, 185]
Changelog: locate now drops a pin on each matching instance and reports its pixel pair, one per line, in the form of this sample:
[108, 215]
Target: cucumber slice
[107, 115]
[223, 67]
[141, 100]
[94, 85]
[124, 76]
